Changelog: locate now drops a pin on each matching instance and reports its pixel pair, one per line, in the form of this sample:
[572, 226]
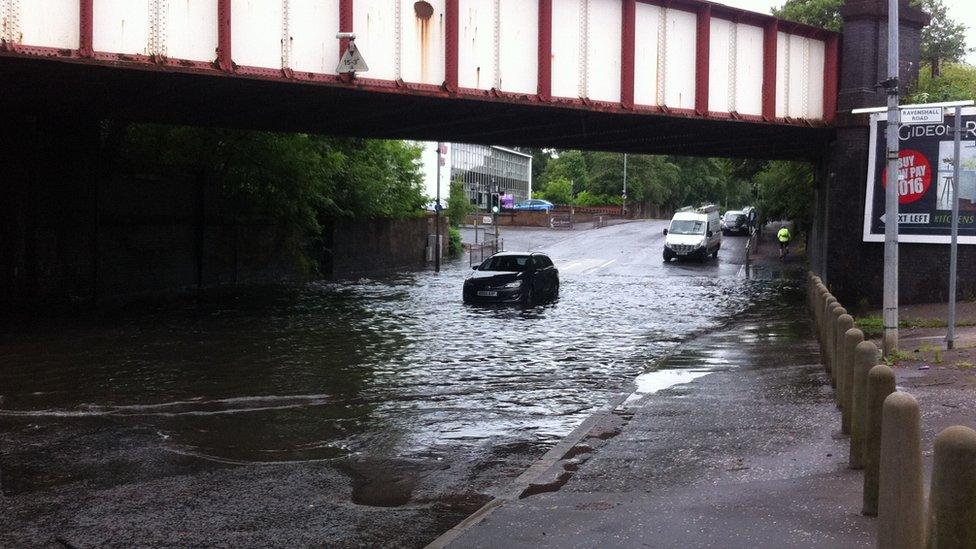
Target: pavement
[750, 454]
[746, 456]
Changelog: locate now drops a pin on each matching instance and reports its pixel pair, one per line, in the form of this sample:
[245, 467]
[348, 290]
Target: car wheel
[668, 256]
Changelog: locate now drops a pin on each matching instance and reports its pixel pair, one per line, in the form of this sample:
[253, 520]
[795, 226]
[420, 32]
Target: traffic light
[496, 203]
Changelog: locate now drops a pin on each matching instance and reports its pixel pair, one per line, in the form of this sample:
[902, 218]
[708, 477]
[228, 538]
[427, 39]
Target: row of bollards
[885, 441]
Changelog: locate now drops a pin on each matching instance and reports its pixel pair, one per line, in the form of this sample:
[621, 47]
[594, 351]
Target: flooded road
[387, 405]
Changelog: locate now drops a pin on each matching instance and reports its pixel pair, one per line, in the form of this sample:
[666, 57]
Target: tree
[568, 165]
[786, 192]
[818, 13]
[943, 39]
[458, 204]
[957, 81]
[559, 191]
[290, 180]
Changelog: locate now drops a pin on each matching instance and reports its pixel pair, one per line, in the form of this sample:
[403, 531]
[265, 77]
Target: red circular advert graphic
[914, 176]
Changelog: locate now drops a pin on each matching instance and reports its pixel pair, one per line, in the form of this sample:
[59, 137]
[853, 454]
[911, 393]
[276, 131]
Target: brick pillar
[853, 268]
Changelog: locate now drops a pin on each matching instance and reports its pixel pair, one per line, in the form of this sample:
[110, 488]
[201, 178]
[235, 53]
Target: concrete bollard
[845, 376]
[952, 497]
[828, 340]
[822, 294]
[901, 501]
[865, 358]
[836, 311]
[881, 383]
[844, 322]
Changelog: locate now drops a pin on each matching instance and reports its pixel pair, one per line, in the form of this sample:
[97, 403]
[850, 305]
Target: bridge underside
[75, 90]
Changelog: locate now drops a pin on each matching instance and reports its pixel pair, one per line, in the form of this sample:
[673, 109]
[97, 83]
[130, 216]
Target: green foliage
[458, 204]
[786, 192]
[540, 160]
[818, 13]
[290, 180]
[652, 181]
[585, 198]
[944, 39]
[558, 191]
[568, 165]
[455, 247]
[957, 81]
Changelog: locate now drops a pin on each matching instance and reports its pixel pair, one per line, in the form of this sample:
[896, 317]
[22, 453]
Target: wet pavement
[745, 455]
[342, 414]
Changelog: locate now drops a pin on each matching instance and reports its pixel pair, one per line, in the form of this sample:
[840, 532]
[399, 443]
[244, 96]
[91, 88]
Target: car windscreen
[687, 226]
[510, 263]
[736, 217]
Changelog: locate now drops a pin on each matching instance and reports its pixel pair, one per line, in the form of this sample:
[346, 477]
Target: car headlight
[516, 284]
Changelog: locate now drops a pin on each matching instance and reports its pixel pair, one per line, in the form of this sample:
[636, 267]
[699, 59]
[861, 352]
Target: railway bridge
[681, 77]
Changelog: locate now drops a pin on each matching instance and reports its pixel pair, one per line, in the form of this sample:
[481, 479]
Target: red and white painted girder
[683, 57]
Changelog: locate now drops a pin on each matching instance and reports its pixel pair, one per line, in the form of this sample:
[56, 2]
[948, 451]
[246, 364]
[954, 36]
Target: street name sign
[923, 115]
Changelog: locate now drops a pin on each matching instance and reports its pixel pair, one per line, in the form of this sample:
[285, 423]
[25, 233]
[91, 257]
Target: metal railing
[599, 221]
[478, 253]
[751, 246]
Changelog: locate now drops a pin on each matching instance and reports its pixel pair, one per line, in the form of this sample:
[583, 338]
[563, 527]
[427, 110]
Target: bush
[558, 191]
[454, 245]
[585, 198]
[458, 204]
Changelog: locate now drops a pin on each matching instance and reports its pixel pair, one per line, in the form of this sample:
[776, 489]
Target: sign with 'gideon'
[925, 170]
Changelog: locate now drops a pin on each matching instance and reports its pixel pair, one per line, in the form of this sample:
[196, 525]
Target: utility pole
[623, 204]
[437, 210]
[890, 316]
[954, 241]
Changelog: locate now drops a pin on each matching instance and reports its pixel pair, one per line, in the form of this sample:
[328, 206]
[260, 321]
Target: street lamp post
[623, 203]
[890, 304]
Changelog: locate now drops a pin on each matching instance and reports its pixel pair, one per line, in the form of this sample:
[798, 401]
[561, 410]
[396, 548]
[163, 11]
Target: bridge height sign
[925, 180]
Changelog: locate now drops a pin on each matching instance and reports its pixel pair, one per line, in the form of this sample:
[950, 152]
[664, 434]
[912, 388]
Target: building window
[484, 169]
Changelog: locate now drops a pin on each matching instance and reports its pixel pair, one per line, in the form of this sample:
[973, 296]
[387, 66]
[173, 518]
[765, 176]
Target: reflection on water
[380, 368]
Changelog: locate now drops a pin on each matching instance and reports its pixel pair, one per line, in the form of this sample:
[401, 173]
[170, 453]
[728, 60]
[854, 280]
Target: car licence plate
[487, 294]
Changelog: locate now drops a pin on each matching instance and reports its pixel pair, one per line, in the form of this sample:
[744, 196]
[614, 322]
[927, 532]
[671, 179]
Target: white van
[694, 232]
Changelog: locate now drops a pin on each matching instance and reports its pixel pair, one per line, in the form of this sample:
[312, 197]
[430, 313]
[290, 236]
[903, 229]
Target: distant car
[735, 221]
[513, 277]
[536, 205]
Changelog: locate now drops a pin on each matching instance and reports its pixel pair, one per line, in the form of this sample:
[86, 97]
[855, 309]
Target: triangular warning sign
[352, 61]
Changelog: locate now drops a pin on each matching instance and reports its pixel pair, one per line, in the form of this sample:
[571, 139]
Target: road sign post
[954, 239]
[437, 210]
[890, 304]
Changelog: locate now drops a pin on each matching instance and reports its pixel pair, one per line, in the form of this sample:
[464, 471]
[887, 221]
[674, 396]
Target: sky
[963, 11]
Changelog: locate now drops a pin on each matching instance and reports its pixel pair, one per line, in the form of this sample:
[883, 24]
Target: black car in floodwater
[513, 277]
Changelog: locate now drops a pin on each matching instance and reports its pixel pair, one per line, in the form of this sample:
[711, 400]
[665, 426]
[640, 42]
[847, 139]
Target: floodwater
[385, 369]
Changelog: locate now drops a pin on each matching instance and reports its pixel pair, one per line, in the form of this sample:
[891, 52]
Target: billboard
[924, 186]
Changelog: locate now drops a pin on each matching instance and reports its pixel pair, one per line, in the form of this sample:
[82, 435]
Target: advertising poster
[924, 186]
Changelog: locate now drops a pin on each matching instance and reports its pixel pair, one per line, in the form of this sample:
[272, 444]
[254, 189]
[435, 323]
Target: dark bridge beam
[38, 87]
